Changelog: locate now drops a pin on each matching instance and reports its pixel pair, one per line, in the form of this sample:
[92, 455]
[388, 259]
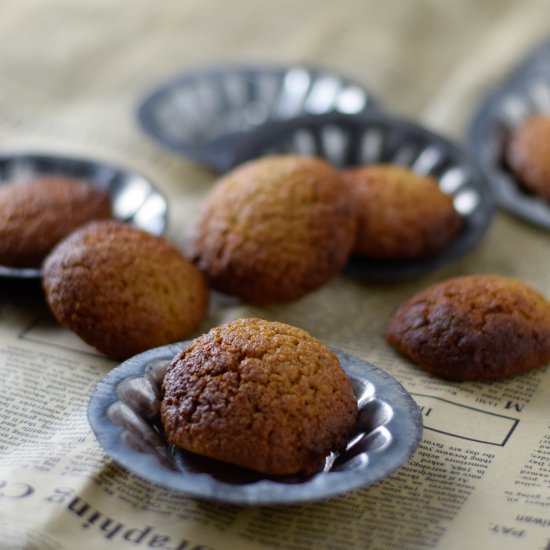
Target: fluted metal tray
[204, 114]
[526, 92]
[124, 414]
[134, 198]
[377, 138]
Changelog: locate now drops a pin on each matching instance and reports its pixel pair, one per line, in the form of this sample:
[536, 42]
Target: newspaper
[72, 74]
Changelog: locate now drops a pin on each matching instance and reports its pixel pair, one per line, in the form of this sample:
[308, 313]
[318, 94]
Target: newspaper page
[72, 75]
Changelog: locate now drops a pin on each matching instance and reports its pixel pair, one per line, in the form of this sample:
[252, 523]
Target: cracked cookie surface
[401, 215]
[474, 327]
[123, 290]
[35, 215]
[275, 229]
[262, 395]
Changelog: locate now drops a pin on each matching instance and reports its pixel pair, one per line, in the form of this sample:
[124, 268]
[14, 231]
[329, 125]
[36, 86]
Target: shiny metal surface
[134, 199]
[124, 414]
[524, 94]
[204, 114]
[376, 138]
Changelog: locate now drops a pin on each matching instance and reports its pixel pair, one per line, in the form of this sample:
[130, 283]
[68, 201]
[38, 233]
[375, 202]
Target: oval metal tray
[526, 92]
[377, 138]
[204, 114]
[124, 414]
[134, 198]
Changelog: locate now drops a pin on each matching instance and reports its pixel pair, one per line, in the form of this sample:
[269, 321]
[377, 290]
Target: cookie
[35, 215]
[123, 290]
[275, 229]
[477, 327]
[528, 155]
[262, 395]
[401, 215]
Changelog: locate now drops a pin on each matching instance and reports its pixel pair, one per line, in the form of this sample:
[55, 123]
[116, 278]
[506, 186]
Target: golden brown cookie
[401, 216]
[35, 215]
[275, 229]
[123, 290]
[528, 155]
[262, 395]
[474, 328]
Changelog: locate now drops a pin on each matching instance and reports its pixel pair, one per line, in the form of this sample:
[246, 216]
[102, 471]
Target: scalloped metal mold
[526, 92]
[124, 413]
[134, 198]
[204, 114]
[377, 138]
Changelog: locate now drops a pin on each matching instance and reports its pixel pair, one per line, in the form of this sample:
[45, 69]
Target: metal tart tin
[204, 114]
[374, 138]
[526, 92]
[134, 198]
[124, 414]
